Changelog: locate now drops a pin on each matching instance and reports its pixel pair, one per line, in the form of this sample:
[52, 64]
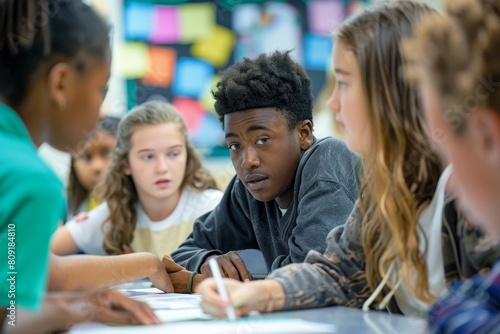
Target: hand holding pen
[242, 298]
[214, 267]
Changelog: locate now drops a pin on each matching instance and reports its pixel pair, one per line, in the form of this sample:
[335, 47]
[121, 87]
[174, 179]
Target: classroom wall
[172, 50]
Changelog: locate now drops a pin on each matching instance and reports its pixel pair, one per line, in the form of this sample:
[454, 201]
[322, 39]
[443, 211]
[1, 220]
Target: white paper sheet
[170, 301]
[169, 316]
[142, 290]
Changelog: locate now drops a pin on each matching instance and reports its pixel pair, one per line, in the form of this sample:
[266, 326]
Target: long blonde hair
[118, 189]
[401, 175]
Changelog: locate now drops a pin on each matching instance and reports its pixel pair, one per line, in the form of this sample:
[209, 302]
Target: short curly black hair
[273, 80]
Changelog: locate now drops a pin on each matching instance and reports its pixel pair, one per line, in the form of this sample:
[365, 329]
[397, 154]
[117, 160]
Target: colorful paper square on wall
[197, 21]
[216, 47]
[192, 77]
[138, 21]
[318, 51]
[246, 18]
[192, 111]
[277, 29]
[166, 25]
[209, 132]
[161, 66]
[131, 60]
[325, 16]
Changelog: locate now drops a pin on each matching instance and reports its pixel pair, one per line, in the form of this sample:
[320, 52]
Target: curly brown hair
[458, 55]
[118, 189]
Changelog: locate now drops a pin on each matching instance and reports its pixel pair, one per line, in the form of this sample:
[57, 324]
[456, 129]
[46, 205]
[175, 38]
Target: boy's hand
[161, 280]
[179, 275]
[231, 266]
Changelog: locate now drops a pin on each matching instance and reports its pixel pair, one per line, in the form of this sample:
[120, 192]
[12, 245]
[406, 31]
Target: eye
[341, 84]
[85, 157]
[147, 157]
[174, 154]
[233, 147]
[262, 141]
[106, 154]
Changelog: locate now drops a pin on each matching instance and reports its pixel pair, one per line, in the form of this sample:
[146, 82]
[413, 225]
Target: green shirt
[31, 204]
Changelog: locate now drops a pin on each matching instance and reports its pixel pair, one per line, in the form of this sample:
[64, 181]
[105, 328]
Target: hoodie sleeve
[224, 229]
[335, 278]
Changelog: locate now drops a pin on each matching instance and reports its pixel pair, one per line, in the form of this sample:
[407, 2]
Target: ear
[126, 168]
[486, 124]
[58, 83]
[305, 129]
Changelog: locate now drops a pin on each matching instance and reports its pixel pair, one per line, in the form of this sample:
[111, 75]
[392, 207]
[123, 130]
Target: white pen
[214, 267]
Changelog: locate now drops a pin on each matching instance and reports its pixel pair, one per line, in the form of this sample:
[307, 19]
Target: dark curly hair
[273, 80]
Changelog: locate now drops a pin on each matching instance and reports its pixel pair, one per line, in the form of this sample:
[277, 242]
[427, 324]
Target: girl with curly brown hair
[153, 190]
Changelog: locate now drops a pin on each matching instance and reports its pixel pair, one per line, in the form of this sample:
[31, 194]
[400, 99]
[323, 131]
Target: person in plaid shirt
[461, 99]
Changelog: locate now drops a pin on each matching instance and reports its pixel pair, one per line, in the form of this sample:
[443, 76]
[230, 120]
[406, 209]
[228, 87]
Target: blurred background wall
[173, 50]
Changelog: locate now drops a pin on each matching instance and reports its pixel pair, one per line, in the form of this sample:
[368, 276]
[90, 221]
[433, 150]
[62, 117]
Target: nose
[98, 164]
[161, 165]
[250, 159]
[333, 102]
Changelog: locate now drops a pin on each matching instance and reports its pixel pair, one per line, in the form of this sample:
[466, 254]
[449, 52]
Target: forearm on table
[315, 285]
[82, 272]
[276, 295]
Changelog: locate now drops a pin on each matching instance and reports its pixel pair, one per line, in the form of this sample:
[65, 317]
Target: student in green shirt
[54, 68]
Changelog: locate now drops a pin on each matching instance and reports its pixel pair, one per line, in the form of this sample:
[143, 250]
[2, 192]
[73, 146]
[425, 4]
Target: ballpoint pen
[214, 267]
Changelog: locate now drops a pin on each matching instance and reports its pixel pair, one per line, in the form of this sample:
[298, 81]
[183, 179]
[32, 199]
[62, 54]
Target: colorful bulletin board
[174, 50]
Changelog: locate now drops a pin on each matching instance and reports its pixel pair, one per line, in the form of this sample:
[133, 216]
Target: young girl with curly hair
[153, 190]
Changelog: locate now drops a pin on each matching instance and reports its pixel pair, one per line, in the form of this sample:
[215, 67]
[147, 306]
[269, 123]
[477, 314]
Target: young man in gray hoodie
[290, 189]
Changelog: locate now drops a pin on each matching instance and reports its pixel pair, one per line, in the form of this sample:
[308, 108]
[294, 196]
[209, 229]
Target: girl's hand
[102, 306]
[267, 296]
[112, 306]
[159, 276]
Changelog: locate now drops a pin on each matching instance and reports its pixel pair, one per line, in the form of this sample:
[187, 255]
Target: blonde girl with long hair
[153, 190]
[392, 245]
